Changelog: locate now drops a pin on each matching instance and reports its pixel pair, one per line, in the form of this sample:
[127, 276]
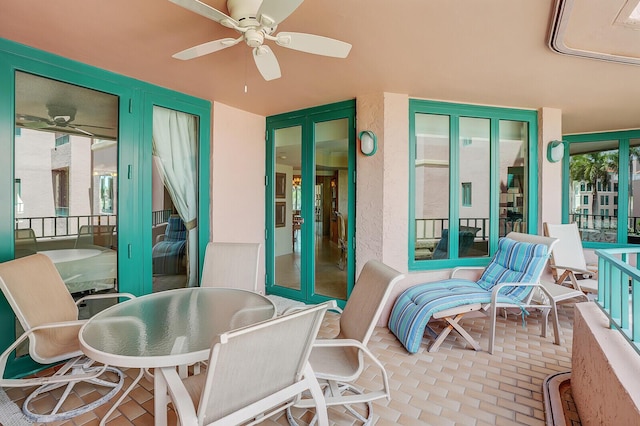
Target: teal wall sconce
[555, 151]
[368, 142]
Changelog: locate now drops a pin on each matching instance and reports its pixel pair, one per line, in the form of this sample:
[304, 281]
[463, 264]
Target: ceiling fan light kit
[256, 21]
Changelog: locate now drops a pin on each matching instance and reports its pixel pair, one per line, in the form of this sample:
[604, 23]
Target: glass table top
[170, 328]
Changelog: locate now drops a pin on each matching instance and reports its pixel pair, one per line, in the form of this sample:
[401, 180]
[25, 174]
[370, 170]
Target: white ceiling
[491, 52]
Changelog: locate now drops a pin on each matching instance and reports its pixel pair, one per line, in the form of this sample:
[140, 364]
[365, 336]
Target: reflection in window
[598, 169]
[106, 194]
[19, 204]
[60, 179]
[466, 194]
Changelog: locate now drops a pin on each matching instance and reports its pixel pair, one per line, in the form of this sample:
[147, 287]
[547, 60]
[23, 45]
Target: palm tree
[593, 168]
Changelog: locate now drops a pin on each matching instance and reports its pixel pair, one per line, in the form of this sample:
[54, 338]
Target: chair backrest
[521, 258]
[231, 265]
[367, 300]
[37, 295]
[466, 238]
[25, 242]
[252, 363]
[568, 252]
[175, 230]
[95, 235]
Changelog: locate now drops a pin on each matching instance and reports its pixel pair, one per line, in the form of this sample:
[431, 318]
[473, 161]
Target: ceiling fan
[256, 21]
[60, 116]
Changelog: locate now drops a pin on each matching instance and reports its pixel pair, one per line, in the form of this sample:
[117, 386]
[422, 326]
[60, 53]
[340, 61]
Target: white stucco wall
[550, 174]
[237, 178]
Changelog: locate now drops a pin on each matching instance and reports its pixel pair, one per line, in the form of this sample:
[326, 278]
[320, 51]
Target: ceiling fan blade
[81, 130]
[272, 12]
[91, 125]
[266, 62]
[36, 124]
[206, 48]
[310, 43]
[206, 11]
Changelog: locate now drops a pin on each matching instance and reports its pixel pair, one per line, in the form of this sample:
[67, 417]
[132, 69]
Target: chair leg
[122, 397]
[492, 332]
[556, 323]
[545, 322]
[453, 324]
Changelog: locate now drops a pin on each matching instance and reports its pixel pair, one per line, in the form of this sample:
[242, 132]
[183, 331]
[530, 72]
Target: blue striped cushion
[515, 262]
[415, 306]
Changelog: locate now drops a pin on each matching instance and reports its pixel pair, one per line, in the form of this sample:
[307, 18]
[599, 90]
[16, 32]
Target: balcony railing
[619, 291]
[428, 229]
[65, 226]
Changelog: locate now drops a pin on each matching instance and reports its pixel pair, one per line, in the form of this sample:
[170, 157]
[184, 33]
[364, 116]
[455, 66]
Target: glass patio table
[170, 328]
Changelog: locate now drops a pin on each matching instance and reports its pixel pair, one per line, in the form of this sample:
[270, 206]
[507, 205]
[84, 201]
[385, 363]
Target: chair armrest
[465, 268]
[572, 269]
[496, 289]
[179, 396]
[354, 343]
[105, 296]
[40, 380]
[332, 305]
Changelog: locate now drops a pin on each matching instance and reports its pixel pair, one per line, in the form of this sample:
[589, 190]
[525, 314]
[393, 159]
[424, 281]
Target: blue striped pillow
[515, 261]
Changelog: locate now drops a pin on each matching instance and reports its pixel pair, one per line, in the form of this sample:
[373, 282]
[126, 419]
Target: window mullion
[623, 189]
[454, 186]
[494, 185]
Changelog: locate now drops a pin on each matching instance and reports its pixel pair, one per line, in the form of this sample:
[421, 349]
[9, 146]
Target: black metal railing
[65, 226]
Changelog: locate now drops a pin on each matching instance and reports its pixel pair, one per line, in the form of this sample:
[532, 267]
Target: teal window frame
[623, 138]
[585, 200]
[495, 114]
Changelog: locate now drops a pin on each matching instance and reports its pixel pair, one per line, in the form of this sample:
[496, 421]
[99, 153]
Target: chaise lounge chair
[568, 261]
[507, 282]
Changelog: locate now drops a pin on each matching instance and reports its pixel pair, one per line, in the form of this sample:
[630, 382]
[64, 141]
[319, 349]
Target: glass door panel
[513, 155]
[331, 207]
[475, 187]
[431, 190]
[174, 200]
[65, 183]
[289, 219]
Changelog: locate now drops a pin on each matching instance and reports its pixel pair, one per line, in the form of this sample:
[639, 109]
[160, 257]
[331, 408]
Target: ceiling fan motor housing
[243, 9]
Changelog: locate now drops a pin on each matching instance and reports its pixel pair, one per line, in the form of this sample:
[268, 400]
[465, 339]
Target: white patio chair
[49, 317]
[232, 265]
[338, 362]
[568, 259]
[254, 373]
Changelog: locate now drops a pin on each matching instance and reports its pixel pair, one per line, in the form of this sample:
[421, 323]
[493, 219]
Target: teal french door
[311, 203]
[120, 185]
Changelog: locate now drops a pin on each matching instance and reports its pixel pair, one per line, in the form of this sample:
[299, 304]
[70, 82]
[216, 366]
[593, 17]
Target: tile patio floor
[454, 386]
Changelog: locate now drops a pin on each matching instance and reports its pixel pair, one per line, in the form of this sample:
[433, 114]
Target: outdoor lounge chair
[507, 282]
[567, 260]
[49, 316]
[338, 362]
[232, 265]
[466, 238]
[170, 250]
[253, 373]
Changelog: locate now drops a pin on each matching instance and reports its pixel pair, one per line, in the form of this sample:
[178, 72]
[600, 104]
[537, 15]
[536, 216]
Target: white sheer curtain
[175, 148]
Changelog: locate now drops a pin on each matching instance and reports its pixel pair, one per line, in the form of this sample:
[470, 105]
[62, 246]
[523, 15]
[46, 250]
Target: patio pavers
[454, 386]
